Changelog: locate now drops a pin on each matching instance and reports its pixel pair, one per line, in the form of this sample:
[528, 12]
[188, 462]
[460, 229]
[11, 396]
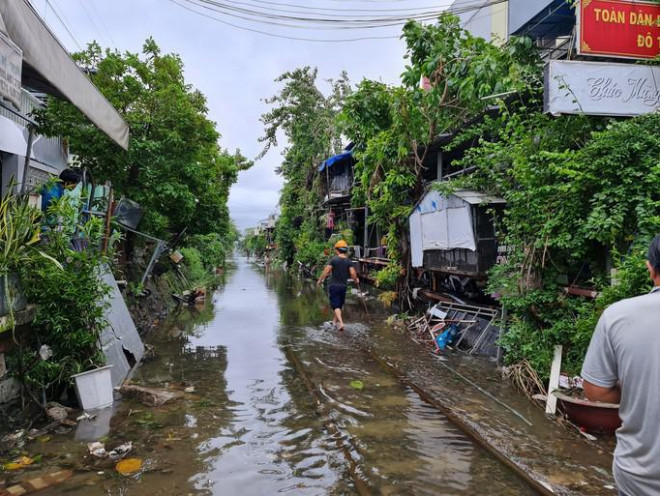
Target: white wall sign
[11, 60]
[596, 88]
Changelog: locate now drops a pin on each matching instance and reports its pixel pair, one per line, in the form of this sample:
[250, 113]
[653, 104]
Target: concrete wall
[488, 21]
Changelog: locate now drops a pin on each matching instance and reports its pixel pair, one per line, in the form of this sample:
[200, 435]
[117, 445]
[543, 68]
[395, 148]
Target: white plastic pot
[94, 388]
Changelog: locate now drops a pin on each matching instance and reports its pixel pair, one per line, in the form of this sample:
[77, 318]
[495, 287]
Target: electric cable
[283, 36]
[300, 22]
[103, 25]
[90, 19]
[270, 15]
[64, 24]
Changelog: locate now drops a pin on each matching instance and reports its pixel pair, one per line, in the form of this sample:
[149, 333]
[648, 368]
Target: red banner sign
[619, 28]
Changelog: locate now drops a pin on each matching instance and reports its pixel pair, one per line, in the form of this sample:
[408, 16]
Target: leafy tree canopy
[174, 166]
[308, 119]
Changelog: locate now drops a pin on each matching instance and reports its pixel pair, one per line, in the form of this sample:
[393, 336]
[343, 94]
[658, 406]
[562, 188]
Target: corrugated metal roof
[477, 198]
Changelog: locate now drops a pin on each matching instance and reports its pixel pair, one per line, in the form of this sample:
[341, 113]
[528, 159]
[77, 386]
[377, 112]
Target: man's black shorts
[337, 296]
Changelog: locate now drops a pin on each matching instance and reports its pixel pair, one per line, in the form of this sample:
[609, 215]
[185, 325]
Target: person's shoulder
[631, 305]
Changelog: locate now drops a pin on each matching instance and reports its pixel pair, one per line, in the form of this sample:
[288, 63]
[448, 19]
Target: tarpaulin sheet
[336, 159]
[49, 67]
[417, 253]
[448, 229]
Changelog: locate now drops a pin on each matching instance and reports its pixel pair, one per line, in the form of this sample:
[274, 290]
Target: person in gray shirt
[622, 365]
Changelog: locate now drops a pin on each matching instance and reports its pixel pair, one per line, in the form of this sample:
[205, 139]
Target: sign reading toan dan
[618, 28]
[596, 88]
[11, 60]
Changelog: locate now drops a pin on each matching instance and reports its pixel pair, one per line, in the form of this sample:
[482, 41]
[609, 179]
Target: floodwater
[270, 409]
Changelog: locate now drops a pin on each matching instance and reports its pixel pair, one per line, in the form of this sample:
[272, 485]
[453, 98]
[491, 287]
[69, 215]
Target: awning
[11, 137]
[336, 159]
[48, 67]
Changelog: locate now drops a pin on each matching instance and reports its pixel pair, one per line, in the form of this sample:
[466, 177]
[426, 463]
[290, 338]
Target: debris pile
[450, 325]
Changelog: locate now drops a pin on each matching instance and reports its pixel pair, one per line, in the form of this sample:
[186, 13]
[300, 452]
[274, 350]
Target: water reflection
[248, 424]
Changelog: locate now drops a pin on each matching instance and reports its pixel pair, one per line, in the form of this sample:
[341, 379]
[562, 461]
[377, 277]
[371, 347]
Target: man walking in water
[341, 268]
[622, 366]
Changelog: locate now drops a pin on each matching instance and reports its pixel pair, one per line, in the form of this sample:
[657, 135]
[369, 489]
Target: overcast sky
[234, 68]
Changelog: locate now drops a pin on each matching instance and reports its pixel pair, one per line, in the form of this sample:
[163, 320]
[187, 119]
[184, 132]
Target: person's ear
[652, 271]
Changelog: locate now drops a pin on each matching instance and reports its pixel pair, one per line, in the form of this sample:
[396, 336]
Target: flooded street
[270, 409]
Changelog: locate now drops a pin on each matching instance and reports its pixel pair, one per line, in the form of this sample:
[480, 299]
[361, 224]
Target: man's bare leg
[338, 318]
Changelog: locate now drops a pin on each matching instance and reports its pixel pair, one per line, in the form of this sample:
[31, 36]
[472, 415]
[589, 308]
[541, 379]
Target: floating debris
[97, 450]
[86, 416]
[129, 466]
[19, 463]
[121, 451]
[357, 385]
[150, 396]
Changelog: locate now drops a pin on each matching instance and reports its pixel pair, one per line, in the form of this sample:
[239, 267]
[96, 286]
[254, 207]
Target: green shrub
[212, 249]
[70, 314]
[194, 269]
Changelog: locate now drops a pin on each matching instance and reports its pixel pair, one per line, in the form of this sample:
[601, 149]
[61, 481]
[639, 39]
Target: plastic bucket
[94, 388]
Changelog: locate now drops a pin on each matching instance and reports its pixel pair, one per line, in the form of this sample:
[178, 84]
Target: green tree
[308, 120]
[395, 124]
[174, 167]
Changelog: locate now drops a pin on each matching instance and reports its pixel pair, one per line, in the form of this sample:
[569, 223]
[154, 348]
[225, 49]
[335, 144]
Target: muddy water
[248, 423]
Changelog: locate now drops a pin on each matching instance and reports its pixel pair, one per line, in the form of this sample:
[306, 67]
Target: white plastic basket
[94, 388]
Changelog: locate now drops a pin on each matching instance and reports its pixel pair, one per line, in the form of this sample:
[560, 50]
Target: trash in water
[97, 449]
[357, 385]
[59, 413]
[121, 451]
[129, 466]
[20, 463]
[86, 416]
[189, 389]
[150, 396]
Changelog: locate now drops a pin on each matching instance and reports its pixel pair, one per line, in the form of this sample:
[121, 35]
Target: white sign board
[11, 60]
[596, 88]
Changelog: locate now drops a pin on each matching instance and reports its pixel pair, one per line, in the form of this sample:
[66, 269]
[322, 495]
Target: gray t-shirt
[625, 348]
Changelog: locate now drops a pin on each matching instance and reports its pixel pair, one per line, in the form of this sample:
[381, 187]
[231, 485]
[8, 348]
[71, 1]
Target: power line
[89, 17]
[275, 35]
[318, 23]
[270, 18]
[277, 16]
[66, 27]
[327, 9]
[103, 25]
